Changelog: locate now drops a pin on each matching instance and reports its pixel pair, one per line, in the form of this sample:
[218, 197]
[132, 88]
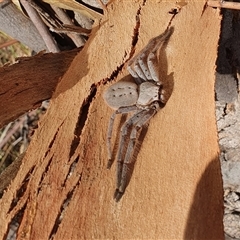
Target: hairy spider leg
[138, 69]
[139, 66]
[124, 133]
[142, 58]
[120, 110]
[153, 57]
[152, 62]
[143, 120]
[136, 72]
[142, 61]
[132, 71]
[165, 93]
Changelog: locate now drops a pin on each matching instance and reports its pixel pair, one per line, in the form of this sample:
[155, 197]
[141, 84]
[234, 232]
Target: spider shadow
[116, 141]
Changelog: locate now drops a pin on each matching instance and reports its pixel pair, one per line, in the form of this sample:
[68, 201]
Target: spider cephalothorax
[142, 96]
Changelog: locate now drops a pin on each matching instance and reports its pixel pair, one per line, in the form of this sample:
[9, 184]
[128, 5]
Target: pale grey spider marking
[143, 95]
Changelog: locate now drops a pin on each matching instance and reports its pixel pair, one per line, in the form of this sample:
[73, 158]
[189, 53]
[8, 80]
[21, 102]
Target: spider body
[127, 93]
[141, 98]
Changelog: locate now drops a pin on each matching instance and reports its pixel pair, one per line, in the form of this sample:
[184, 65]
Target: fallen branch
[26, 84]
[224, 4]
[41, 27]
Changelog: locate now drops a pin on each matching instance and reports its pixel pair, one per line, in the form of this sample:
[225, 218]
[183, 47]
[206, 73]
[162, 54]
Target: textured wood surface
[26, 84]
[175, 191]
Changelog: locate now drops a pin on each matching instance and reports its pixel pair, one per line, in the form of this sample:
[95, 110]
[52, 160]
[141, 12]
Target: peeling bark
[26, 84]
[65, 191]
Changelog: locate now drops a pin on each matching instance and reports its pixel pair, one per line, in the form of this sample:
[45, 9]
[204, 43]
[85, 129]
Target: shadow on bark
[206, 212]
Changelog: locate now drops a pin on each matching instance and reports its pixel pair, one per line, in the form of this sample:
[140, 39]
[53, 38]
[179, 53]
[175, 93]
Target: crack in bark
[24, 90]
[20, 192]
[49, 161]
[63, 208]
[3, 93]
[16, 221]
[53, 139]
[136, 31]
[71, 170]
[44, 174]
[204, 8]
[82, 117]
[174, 12]
[132, 51]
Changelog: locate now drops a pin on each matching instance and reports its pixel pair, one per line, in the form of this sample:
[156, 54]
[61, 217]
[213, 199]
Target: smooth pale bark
[14, 23]
[175, 191]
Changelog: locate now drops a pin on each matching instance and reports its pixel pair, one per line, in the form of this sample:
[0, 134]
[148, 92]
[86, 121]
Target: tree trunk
[63, 189]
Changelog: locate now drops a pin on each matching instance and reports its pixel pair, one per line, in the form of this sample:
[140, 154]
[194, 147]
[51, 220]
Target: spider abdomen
[121, 94]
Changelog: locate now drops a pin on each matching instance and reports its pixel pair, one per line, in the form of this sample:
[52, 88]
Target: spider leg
[144, 64]
[157, 42]
[124, 132]
[109, 137]
[152, 60]
[136, 71]
[137, 66]
[152, 63]
[133, 73]
[142, 58]
[121, 110]
[137, 121]
[128, 160]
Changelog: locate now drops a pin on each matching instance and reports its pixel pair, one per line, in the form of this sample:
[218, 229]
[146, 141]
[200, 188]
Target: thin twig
[77, 39]
[102, 5]
[14, 129]
[8, 43]
[41, 27]
[47, 19]
[4, 131]
[71, 29]
[224, 4]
